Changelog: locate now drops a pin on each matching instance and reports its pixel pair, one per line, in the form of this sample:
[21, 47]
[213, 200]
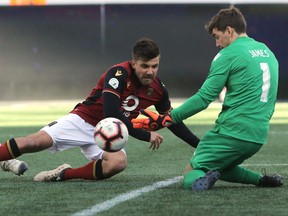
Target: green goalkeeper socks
[241, 175]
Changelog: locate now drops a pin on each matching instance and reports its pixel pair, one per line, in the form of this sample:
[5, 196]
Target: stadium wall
[59, 52]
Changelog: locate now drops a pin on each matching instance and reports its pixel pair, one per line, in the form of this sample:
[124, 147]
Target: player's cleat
[206, 182]
[52, 175]
[15, 166]
[270, 181]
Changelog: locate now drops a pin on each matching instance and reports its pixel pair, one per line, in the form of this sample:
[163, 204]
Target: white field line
[278, 132]
[267, 165]
[108, 204]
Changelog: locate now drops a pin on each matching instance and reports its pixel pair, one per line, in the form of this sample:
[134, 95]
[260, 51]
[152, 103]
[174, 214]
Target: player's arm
[111, 109]
[182, 131]
[179, 129]
[114, 84]
[208, 92]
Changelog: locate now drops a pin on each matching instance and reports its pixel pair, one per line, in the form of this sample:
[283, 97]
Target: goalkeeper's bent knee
[187, 184]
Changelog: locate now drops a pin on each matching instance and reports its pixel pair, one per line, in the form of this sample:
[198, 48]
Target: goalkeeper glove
[153, 122]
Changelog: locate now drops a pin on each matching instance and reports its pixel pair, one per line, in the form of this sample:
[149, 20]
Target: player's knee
[187, 184]
[113, 163]
[120, 163]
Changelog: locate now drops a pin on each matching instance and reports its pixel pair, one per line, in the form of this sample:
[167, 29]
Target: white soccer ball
[111, 134]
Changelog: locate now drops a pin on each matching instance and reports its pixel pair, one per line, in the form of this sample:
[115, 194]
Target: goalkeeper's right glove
[153, 122]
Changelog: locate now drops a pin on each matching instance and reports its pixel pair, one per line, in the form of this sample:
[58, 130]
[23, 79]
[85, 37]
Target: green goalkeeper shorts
[220, 152]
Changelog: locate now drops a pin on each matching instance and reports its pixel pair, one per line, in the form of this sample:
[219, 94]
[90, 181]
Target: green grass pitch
[22, 196]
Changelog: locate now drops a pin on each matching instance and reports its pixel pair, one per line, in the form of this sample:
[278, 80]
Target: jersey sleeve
[115, 80]
[114, 83]
[111, 109]
[164, 105]
[180, 130]
[208, 92]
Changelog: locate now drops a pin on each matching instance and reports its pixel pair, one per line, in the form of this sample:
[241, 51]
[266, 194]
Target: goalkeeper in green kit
[249, 71]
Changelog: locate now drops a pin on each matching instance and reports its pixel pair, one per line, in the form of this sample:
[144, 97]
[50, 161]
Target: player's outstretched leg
[51, 175]
[15, 166]
[206, 182]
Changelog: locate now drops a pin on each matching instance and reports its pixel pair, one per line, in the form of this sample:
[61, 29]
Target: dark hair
[227, 17]
[145, 49]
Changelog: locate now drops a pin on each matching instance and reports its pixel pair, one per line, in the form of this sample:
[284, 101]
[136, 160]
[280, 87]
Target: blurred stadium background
[52, 49]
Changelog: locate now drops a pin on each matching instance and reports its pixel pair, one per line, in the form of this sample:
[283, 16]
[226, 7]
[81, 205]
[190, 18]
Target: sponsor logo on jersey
[126, 114]
[118, 73]
[130, 103]
[114, 83]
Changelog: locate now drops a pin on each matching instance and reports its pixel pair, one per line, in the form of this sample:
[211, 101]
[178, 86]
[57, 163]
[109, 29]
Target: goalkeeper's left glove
[153, 122]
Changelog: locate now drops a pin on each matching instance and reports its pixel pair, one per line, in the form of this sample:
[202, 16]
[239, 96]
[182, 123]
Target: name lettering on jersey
[259, 53]
[118, 73]
[216, 57]
[114, 83]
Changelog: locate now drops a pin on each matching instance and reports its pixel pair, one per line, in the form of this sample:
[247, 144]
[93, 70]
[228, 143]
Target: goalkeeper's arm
[157, 121]
[180, 130]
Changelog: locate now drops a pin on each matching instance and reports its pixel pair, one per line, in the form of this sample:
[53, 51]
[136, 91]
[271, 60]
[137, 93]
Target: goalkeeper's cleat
[15, 166]
[52, 175]
[270, 181]
[206, 182]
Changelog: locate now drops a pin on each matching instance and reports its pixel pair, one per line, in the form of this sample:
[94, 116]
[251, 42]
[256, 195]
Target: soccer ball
[111, 134]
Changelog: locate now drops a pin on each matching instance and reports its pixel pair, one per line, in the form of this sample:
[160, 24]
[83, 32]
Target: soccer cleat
[15, 166]
[206, 182]
[270, 181]
[52, 175]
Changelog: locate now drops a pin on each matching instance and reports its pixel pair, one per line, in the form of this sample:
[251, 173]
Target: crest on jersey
[114, 83]
[149, 91]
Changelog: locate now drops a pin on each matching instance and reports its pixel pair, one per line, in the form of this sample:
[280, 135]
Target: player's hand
[155, 140]
[153, 122]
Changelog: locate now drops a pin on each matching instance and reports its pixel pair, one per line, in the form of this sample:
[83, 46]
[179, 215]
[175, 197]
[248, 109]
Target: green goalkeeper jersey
[249, 71]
